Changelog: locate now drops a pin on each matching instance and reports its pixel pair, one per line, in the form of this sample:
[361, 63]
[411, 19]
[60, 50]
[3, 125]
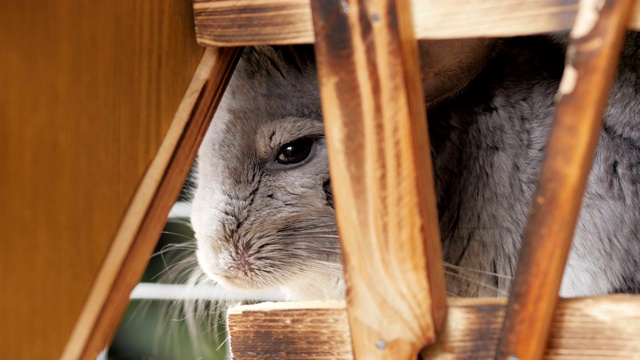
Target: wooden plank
[583, 328]
[87, 91]
[252, 22]
[146, 216]
[592, 58]
[375, 124]
[305, 330]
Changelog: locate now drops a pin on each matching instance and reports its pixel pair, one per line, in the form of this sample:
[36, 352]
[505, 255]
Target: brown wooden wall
[87, 91]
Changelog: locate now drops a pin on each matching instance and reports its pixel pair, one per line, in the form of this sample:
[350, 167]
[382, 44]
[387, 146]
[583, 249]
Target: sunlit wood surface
[375, 125]
[600, 327]
[592, 58]
[87, 92]
[248, 22]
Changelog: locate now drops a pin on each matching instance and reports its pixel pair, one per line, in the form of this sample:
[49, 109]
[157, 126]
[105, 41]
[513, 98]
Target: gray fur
[279, 220]
[260, 225]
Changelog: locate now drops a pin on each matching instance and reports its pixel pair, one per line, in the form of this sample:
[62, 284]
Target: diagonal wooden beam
[147, 213]
[592, 58]
[381, 172]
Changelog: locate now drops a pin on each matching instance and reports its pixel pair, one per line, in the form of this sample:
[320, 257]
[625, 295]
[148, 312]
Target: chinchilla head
[263, 209]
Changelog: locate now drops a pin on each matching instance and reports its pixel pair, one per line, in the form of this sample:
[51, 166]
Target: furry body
[262, 225]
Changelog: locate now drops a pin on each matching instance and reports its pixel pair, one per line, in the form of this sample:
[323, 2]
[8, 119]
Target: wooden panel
[384, 193]
[147, 214]
[585, 328]
[249, 22]
[87, 91]
[592, 58]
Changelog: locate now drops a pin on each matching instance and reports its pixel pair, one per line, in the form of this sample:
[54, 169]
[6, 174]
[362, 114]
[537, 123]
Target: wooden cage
[396, 303]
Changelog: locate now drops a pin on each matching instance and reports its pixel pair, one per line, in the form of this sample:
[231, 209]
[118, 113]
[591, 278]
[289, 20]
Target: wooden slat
[305, 330]
[592, 57]
[383, 184]
[146, 216]
[251, 22]
[87, 91]
[584, 328]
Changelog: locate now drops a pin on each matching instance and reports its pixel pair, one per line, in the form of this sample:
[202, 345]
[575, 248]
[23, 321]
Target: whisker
[474, 281]
[478, 271]
[179, 221]
[308, 232]
[179, 235]
[177, 265]
[174, 247]
[223, 342]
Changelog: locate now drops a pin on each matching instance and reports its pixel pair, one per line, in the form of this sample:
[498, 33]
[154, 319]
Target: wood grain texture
[584, 328]
[383, 188]
[232, 22]
[251, 22]
[146, 216]
[87, 91]
[592, 56]
[309, 330]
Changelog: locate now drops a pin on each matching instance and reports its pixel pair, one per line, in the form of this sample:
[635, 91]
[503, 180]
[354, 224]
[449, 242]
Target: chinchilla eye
[295, 151]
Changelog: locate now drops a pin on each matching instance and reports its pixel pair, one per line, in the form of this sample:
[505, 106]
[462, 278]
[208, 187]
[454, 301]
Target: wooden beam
[253, 22]
[592, 58]
[583, 328]
[382, 177]
[305, 330]
[147, 213]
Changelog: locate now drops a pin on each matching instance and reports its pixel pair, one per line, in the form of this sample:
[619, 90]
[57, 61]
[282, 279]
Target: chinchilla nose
[241, 264]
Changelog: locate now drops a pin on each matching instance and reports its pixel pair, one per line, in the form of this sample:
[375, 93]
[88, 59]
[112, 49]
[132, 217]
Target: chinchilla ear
[447, 66]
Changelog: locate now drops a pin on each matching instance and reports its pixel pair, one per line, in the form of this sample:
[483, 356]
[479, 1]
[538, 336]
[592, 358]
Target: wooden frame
[255, 22]
[344, 40]
[582, 98]
[396, 292]
[411, 266]
[587, 328]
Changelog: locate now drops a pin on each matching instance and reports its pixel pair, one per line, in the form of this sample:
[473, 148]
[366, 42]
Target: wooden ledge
[253, 22]
[584, 328]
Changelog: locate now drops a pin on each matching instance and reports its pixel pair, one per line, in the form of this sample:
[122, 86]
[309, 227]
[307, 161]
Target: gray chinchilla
[263, 208]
